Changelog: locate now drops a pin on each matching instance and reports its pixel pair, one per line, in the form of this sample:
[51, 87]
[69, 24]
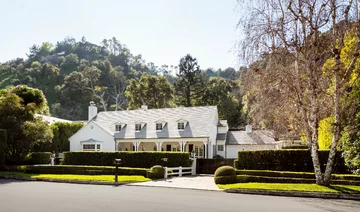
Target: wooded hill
[72, 73]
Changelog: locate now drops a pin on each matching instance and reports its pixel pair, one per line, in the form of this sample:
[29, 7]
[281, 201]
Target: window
[137, 127]
[159, 126]
[181, 125]
[118, 127]
[176, 149]
[220, 148]
[91, 147]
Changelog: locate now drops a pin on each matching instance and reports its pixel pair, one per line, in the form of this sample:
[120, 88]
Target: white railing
[181, 170]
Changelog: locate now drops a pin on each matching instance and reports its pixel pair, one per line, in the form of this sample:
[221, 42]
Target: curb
[63, 181]
[295, 194]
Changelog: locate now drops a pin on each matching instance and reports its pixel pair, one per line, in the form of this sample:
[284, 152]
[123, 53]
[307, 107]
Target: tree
[62, 132]
[218, 93]
[23, 129]
[3, 140]
[153, 91]
[117, 86]
[190, 83]
[291, 34]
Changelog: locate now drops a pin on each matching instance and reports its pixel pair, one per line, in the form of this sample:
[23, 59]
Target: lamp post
[117, 163]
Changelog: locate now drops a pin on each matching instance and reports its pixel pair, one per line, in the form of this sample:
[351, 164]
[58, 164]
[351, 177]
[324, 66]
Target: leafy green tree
[218, 93]
[62, 132]
[190, 83]
[153, 91]
[3, 140]
[23, 129]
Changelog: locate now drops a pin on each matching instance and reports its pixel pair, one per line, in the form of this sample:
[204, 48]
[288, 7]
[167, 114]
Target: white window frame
[97, 147]
[159, 124]
[136, 127]
[118, 127]
[220, 147]
[179, 124]
[175, 148]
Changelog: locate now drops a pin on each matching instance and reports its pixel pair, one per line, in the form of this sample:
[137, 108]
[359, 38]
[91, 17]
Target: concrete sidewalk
[199, 182]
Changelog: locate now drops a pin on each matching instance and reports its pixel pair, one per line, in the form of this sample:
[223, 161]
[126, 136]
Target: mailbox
[117, 163]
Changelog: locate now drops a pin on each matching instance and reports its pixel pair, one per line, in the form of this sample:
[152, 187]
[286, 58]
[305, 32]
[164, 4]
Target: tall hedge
[62, 132]
[3, 140]
[128, 159]
[286, 160]
[37, 158]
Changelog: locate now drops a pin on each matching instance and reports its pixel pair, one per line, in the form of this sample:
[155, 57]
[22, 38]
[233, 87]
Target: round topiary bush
[225, 175]
[156, 171]
[225, 171]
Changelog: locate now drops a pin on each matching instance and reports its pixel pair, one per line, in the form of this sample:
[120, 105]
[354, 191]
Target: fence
[180, 171]
[209, 166]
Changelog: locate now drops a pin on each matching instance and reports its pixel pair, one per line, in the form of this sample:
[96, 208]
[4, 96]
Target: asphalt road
[19, 196]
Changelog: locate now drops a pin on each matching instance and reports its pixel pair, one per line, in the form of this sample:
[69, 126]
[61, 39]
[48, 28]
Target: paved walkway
[199, 182]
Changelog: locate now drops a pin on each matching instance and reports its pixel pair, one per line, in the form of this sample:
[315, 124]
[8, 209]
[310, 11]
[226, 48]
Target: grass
[294, 187]
[103, 178]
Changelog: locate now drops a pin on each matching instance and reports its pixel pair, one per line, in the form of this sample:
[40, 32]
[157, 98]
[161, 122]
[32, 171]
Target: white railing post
[180, 171]
[193, 167]
[166, 173]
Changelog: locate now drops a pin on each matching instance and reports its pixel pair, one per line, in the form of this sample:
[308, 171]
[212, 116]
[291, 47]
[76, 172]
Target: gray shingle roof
[254, 138]
[200, 122]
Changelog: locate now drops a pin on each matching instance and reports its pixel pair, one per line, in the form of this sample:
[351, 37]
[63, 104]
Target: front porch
[198, 148]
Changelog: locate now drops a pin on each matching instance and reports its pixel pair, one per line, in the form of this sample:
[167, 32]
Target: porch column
[158, 145]
[182, 145]
[136, 145]
[205, 149]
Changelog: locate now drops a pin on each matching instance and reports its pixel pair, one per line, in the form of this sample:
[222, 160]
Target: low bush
[225, 175]
[156, 172]
[225, 171]
[85, 170]
[14, 168]
[286, 160]
[128, 159]
[37, 158]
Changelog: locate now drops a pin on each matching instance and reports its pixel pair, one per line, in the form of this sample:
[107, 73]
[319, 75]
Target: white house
[187, 129]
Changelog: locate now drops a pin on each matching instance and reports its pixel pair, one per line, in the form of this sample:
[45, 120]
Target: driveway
[200, 182]
[20, 196]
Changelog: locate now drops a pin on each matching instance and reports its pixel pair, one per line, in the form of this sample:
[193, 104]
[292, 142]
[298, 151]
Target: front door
[191, 147]
[168, 147]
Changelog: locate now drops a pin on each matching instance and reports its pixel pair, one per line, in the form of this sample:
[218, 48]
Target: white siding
[232, 150]
[92, 131]
[222, 129]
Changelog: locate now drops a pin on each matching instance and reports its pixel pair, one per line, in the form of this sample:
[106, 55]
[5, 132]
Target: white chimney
[92, 110]
[248, 128]
[144, 107]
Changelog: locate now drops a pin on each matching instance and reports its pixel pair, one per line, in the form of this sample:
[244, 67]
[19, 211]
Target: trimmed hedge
[128, 159]
[3, 140]
[37, 158]
[304, 175]
[286, 160]
[295, 147]
[225, 175]
[263, 179]
[84, 170]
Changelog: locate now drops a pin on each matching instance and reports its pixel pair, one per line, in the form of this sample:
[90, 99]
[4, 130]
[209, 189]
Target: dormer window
[159, 126]
[181, 125]
[118, 127]
[137, 127]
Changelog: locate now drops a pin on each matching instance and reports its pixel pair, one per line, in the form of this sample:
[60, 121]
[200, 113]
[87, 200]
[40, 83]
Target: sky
[162, 31]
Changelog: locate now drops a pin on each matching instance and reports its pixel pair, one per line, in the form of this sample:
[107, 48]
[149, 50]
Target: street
[20, 196]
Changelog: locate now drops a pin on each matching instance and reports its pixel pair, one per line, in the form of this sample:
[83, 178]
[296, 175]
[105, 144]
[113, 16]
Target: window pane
[159, 126]
[89, 147]
[181, 125]
[137, 127]
[117, 127]
[220, 147]
[98, 146]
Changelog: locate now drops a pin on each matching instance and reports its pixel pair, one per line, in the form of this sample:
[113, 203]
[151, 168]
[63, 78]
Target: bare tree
[294, 35]
[117, 86]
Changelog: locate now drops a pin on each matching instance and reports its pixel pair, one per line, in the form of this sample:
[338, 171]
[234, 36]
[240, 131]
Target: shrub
[225, 171]
[267, 173]
[37, 158]
[128, 159]
[3, 140]
[85, 170]
[15, 168]
[156, 172]
[225, 175]
[285, 160]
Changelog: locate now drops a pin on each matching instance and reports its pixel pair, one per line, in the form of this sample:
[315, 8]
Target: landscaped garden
[283, 170]
[98, 166]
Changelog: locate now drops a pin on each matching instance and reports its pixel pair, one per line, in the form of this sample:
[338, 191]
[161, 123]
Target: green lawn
[294, 187]
[106, 178]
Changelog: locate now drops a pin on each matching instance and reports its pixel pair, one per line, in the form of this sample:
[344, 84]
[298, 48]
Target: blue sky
[162, 31]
